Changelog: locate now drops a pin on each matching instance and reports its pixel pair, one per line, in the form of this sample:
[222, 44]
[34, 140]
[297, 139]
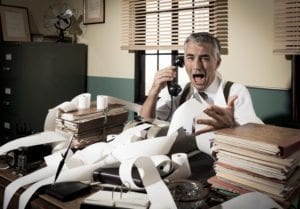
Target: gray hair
[205, 37]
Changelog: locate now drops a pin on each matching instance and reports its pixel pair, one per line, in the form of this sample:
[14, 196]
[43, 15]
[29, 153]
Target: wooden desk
[202, 169]
[39, 201]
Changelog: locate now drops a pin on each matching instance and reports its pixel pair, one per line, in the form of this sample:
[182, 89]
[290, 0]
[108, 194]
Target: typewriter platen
[27, 159]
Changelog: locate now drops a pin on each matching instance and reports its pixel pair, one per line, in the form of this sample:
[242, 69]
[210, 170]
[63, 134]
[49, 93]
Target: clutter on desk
[159, 170]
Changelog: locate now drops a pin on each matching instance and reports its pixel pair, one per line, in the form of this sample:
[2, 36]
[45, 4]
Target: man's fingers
[231, 101]
[209, 122]
[204, 130]
[214, 111]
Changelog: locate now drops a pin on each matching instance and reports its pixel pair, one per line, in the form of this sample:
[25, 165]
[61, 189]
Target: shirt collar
[212, 89]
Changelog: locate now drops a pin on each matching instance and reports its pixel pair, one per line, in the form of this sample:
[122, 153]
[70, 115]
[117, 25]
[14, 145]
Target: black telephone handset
[173, 88]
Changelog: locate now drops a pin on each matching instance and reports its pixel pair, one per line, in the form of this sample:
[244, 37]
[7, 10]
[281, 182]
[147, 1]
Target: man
[201, 60]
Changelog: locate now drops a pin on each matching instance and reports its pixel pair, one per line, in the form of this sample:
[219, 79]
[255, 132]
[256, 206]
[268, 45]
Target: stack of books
[257, 157]
[91, 125]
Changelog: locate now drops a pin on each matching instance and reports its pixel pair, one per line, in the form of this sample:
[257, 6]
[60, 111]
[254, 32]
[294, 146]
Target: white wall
[250, 61]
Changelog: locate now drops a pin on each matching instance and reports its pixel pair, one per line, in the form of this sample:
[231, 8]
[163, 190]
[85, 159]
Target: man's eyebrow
[204, 55]
[190, 55]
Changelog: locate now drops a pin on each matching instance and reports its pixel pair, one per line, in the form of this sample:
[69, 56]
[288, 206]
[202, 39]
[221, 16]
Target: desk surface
[40, 201]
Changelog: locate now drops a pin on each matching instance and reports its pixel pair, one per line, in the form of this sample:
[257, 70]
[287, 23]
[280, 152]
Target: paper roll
[163, 164]
[181, 167]
[84, 101]
[102, 102]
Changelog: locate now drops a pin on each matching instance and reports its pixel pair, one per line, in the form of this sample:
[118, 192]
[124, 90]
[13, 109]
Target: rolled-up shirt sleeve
[243, 107]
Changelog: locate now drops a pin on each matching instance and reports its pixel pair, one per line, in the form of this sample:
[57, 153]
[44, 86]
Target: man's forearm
[148, 108]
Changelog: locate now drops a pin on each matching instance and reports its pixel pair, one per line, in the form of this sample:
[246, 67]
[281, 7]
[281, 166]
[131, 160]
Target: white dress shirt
[243, 107]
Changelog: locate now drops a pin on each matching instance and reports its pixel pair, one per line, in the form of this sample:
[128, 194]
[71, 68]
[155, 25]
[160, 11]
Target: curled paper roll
[181, 167]
[163, 164]
[102, 102]
[151, 181]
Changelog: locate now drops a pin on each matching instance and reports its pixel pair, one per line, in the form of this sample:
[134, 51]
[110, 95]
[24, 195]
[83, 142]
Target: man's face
[201, 64]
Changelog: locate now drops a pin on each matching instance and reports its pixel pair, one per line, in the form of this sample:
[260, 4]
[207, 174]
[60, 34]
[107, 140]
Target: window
[156, 29]
[287, 42]
[287, 27]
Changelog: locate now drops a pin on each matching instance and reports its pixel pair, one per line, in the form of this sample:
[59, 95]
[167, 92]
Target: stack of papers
[256, 157]
[91, 125]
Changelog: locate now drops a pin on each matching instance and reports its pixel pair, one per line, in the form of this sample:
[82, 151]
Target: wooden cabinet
[34, 77]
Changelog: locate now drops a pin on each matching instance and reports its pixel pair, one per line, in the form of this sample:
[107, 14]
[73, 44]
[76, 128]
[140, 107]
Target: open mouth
[199, 78]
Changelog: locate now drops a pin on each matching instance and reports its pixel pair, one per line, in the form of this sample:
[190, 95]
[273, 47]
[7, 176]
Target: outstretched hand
[219, 117]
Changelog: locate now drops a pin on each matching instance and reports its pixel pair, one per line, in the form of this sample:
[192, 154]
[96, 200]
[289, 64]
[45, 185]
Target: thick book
[289, 161]
[261, 138]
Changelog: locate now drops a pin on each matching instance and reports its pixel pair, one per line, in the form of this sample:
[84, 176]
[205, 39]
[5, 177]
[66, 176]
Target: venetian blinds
[164, 24]
[287, 27]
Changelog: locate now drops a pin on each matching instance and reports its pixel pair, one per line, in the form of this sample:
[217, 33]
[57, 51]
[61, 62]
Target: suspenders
[187, 91]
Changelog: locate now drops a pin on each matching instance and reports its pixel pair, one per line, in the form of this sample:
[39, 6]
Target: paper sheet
[12, 188]
[49, 123]
[127, 136]
[249, 201]
[203, 142]
[158, 193]
[90, 154]
[185, 114]
[128, 105]
[46, 137]
[149, 147]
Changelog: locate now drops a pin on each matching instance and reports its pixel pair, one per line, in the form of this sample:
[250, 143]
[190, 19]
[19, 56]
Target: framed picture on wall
[14, 23]
[94, 11]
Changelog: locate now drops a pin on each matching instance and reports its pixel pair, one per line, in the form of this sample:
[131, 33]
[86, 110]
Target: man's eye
[205, 59]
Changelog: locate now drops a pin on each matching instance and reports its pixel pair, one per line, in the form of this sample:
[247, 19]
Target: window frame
[140, 72]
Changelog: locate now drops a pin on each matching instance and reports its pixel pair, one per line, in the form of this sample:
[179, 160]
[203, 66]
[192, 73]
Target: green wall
[117, 87]
[272, 106]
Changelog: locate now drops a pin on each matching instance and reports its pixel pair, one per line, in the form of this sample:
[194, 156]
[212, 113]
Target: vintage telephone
[173, 88]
